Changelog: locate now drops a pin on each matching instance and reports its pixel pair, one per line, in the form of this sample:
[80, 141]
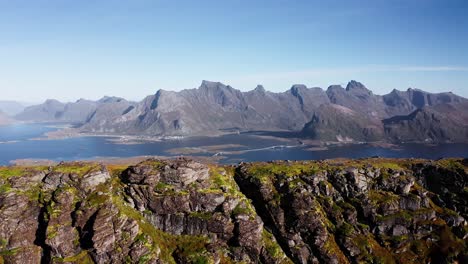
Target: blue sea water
[17, 142]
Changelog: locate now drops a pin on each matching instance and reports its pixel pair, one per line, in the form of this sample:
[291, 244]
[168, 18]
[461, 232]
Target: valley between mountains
[182, 211]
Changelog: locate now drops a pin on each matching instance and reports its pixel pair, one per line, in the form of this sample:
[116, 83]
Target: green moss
[241, 208]
[345, 229]
[200, 260]
[52, 231]
[80, 258]
[387, 165]
[331, 247]
[399, 239]
[3, 243]
[451, 164]
[78, 168]
[163, 187]
[273, 248]
[202, 215]
[96, 199]
[403, 214]
[34, 192]
[378, 197]
[226, 181]
[145, 259]
[9, 252]
[8, 172]
[297, 182]
[371, 251]
[265, 171]
[191, 247]
[5, 188]
[157, 164]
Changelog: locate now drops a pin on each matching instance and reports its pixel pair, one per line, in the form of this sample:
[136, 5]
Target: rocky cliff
[181, 211]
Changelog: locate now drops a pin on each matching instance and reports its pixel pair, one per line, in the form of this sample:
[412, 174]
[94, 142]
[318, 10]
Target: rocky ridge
[181, 211]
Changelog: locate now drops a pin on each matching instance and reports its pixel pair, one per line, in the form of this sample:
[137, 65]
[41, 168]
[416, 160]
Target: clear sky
[68, 49]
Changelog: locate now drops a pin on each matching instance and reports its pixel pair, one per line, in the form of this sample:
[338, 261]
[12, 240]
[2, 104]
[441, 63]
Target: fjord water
[20, 142]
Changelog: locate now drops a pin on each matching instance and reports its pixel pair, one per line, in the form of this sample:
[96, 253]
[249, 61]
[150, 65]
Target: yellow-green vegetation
[371, 251]
[378, 197]
[153, 163]
[332, 248]
[17, 171]
[7, 172]
[273, 249]
[202, 215]
[223, 178]
[382, 163]
[116, 169]
[263, 171]
[78, 168]
[80, 258]
[451, 164]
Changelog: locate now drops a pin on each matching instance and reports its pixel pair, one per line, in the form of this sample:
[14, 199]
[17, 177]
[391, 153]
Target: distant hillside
[11, 108]
[447, 122]
[4, 119]
[80, 111]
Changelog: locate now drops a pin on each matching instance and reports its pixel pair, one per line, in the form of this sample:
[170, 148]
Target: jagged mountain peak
[297, 88]
[212, 84]
[110, 99]
[52, 101]
[355, 85]
[334, 87]
[260, 88]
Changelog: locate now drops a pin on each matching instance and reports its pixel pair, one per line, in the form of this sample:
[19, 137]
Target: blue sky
[71, 49]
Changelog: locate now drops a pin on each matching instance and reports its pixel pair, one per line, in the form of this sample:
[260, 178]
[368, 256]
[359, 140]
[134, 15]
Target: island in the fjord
[182, 211]
[337, 114]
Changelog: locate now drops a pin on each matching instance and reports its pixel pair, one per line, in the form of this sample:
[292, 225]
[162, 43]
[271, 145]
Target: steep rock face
[401, 103]
[358, 98]
[43, 112]
[338, 123]
[362, 211]
[111, 114]
[440, 123]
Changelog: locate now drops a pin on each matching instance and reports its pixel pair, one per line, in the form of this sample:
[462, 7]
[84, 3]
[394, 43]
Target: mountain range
[351, 114]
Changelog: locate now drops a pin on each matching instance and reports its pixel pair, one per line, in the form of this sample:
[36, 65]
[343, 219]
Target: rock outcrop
[365, 211]
[182, 211]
